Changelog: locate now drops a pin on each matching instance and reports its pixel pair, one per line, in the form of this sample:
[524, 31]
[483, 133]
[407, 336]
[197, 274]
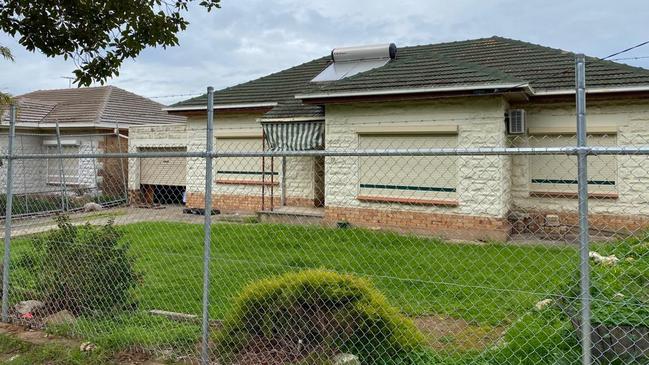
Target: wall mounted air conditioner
[516, 123]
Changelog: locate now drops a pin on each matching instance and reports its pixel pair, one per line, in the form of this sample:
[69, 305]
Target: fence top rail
[478, 151]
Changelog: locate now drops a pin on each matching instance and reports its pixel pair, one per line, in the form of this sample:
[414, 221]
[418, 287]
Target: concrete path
[123, 215]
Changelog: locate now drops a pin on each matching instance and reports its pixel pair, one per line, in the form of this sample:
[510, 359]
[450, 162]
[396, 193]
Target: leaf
[97, 35]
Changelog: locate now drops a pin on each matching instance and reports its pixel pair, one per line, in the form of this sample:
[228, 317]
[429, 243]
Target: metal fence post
[64, 193]
[283, 182]
[582, 181]
[8, 213]
[207, 226]
[121, 161]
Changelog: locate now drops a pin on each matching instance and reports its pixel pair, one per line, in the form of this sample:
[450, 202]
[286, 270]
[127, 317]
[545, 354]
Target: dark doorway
[319, 181]
[166, 194]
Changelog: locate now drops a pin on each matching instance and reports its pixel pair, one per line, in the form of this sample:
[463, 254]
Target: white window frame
[54, 179]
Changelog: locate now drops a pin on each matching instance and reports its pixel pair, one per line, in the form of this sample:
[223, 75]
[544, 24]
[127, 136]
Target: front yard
[467, 297]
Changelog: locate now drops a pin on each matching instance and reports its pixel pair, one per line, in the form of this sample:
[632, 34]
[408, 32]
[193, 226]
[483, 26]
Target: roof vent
[349, 61]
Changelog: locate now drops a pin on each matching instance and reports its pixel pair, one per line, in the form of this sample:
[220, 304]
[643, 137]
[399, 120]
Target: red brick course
[443, 225]
[242, 203]
[535, 222]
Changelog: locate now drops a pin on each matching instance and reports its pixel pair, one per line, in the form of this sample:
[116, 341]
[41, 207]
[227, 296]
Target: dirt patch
[134, 357]
[268, 352]
[445, 333]
[40, 338]
[35, 337]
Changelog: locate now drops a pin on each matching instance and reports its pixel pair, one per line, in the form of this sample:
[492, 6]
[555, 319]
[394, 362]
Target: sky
[246, 39]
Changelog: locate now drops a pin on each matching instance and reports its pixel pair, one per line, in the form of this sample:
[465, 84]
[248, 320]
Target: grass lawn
[489, 285]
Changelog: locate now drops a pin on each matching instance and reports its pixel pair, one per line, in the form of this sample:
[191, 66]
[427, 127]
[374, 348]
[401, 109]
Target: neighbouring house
[492, 92]
[90, 120]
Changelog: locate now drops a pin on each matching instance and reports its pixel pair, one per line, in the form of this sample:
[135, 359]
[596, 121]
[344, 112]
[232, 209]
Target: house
[90, 120]
[468, 94]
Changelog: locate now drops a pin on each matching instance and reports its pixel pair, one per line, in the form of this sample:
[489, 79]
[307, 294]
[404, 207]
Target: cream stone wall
[228, 127]
[160, 136]
[483, 181]
[625, 119]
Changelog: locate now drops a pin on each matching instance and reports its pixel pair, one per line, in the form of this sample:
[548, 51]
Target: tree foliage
[6, 54]
[98, 35]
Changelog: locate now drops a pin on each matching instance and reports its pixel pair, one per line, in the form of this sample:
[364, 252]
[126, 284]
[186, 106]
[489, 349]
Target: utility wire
[173, 95]
[626, 50]
[629, 58]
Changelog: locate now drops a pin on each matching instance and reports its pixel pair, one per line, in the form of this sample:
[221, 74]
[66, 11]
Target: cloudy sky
[250, 38]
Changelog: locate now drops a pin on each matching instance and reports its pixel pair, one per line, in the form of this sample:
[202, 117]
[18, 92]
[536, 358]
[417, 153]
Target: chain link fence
[414, 248]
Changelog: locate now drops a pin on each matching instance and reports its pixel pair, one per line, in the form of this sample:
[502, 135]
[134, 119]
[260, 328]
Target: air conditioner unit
[516, 121]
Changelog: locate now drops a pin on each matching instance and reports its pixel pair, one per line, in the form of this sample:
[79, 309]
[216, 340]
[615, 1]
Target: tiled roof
[295, 109]
[105, 106]
[275, 87]
[486, 61]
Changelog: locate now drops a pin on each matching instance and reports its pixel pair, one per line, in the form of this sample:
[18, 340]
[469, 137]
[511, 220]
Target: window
[70, 166]
[415, 179]
[243, 170]
[558, 174]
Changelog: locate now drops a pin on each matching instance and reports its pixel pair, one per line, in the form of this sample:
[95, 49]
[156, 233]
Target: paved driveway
[121, 215]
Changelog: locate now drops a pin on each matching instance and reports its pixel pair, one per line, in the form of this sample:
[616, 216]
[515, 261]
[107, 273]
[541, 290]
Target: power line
[629, 58]
[173, 95]
[626, 50]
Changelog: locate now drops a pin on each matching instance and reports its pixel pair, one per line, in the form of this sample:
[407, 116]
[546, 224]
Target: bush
[84, 269]
[619, 291]
[317, 313]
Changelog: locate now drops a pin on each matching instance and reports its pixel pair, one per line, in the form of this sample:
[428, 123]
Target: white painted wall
[30, 176]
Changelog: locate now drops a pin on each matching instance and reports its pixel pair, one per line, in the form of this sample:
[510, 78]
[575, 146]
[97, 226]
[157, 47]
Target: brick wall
[443, 225]
[114, 171]
[242, 203]
[536, 222]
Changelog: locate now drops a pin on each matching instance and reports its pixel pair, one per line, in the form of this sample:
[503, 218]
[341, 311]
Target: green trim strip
[408, 187]
[231, 172]
[573, 182]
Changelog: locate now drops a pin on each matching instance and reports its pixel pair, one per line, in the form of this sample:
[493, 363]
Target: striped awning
[294, 136]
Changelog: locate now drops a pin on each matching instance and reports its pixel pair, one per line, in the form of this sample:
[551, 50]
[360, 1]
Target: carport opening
[164, 194]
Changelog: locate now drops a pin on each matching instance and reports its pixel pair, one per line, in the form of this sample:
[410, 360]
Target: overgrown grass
[489, 284]
[17, 352]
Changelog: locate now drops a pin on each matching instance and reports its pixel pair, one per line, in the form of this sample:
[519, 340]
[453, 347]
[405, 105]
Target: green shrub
[84, 269]
[619, 291]
[320, 312]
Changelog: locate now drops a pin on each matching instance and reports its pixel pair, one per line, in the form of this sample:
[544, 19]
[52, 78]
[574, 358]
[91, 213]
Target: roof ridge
[64, 88]
[104, 103]
[42, 102]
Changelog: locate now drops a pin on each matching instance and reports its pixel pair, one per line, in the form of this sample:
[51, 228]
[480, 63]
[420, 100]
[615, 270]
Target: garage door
[163, 171]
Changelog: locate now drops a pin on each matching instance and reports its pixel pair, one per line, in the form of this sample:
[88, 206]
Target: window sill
[246, 182]
[571, 195]
[66, 183]
[408, 201]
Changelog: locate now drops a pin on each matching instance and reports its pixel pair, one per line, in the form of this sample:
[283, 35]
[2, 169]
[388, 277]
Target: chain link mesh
[390, 258]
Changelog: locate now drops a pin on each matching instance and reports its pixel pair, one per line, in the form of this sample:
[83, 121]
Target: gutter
[220, 107]
[595, 90]
[293, 119]
[421, 90]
